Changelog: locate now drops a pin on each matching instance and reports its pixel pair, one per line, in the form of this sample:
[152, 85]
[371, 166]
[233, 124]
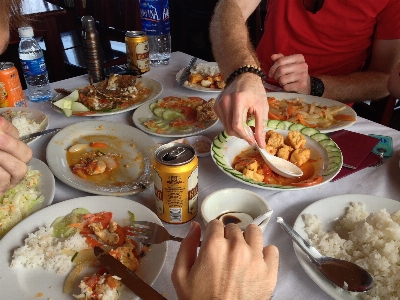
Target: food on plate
[50, 249]
[205, 76]
[21, 120]
[180, 114]
[18, 202]
[116, 92]
[311, 115]
[368, 239]
[291, 147]
[105, 160]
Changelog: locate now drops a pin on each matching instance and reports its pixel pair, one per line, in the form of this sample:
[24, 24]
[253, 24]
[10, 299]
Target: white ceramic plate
[329, 210]
[144, 111]
[46, 186]
[32, 114]
[324, 102]
[200, 143]
[196, 87]
[225, 148]
[24, 283]
[154, 85]
[59, 144]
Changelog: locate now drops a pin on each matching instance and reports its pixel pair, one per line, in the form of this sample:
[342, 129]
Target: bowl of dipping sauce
[234, 205]
[200, 143]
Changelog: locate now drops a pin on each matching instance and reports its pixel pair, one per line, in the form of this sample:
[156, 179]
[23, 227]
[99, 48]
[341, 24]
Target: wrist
[252, 69]
[317, 86]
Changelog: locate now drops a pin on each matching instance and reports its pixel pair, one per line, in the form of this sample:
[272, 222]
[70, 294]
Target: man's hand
[245, 96]
[14, 155]
[291, 72]
[230, 265]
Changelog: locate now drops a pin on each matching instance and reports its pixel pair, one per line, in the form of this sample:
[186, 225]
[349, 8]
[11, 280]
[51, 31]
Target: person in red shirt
[339, 49]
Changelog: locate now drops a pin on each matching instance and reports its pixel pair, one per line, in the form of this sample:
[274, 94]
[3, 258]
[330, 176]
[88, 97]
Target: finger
[8, 128]
[271, 258]
[239, 120]
[187, 253]
[233, 232]
[15, 147]
[253, 236]
[274, 57]
[214, 230]
[13, 170]
[259, 128]
[276, 65]
[5, 181]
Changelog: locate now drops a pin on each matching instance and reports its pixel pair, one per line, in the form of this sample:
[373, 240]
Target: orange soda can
[176, 183]
[11, 94]
[137, 51]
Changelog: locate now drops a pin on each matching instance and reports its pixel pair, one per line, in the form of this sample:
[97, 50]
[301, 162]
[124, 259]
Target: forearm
[356, 87]
[229, 35]
[394, 82]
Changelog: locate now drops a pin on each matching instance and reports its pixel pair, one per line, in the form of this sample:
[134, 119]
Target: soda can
[176, 183]
[11, 94]
[137, 51]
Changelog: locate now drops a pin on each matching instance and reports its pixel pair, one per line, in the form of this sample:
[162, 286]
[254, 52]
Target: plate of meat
[117, 94]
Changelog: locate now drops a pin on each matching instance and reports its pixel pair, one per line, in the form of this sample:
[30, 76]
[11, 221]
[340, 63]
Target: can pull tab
[174, 154]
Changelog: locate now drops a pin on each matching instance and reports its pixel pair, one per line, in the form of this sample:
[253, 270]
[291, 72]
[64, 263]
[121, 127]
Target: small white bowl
[234, 200]
[200, 143]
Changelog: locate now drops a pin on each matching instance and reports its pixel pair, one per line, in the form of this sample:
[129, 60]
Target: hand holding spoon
[344, 274]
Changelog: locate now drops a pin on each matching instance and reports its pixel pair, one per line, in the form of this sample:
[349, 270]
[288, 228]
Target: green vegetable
[132, 215]
[69, 104]
[61, 226]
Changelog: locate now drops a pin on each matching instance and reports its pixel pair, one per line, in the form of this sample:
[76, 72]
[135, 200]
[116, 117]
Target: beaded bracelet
[246, 69]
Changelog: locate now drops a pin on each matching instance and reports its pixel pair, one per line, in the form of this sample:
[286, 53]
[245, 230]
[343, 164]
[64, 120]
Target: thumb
[187, 254]
[274, 57]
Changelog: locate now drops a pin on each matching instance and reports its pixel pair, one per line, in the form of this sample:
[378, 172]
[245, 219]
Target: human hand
[291, 72]
[230, 264]
[245, 95]
[14, 156]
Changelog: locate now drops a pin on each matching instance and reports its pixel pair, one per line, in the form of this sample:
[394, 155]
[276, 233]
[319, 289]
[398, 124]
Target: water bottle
[33, 66]
[155, 22]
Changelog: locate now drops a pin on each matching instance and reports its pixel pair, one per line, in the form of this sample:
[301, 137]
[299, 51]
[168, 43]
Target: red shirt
[334, 41]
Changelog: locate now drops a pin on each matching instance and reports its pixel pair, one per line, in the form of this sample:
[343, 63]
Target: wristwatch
[317, 87]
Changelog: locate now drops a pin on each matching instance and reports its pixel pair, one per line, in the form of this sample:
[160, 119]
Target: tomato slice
[309, 182]
[103, 217]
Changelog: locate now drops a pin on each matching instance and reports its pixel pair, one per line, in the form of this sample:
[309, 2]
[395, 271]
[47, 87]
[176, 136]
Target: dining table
[293, 282]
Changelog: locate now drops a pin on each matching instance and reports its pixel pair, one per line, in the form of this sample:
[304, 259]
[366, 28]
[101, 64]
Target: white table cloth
[293, 282]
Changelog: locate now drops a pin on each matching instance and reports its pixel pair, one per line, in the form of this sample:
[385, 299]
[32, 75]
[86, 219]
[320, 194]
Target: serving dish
[31, 114]
[131, 142]
[225, 148]
[322, 102]
[25, 283]
[329, 210]
[155, 86]
[196, 87]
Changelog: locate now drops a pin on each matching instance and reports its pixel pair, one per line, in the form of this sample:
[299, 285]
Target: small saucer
[200, 143]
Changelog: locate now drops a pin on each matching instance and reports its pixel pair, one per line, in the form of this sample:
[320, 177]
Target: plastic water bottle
[155, 22]
[33, 66]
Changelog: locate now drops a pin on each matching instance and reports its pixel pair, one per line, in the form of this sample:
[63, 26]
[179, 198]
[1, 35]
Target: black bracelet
[246, 69]
[317, 87]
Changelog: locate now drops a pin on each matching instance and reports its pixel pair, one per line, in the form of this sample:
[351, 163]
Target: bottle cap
[25, 32]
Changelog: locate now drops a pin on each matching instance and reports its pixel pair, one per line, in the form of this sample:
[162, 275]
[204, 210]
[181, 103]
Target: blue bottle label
[34, 67]
[155, 16]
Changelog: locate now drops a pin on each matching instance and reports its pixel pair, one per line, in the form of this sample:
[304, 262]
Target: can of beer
[176, 183]
[137, 51]
[11, 94]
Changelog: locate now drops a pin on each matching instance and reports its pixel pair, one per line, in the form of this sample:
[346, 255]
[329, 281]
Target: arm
[232, 49]
[14, 155]
[292, 74]
[394, 82]
[240, 269]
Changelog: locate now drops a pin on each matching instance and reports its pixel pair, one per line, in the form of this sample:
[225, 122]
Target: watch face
[317, 87]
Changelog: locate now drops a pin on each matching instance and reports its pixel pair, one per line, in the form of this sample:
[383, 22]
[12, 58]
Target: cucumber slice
[273, 124]
[287, 124]
[327, 142]
[77, 106]
[309, 131]
[67, 112]
[297, 127]
[142, 120]
[61, 224]
[158, 111]
[332, 149]
[152, 106]
[171, 115]
[319, 137]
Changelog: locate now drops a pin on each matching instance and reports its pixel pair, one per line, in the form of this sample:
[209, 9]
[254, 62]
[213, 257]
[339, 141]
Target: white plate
[199, 144]
[46, 186]
[324, 102]
[24, 283]
[59, 144]
[144, 111]
[225, 148]
[155, 86]
[196, 87]
[329, 210]
[32, 114]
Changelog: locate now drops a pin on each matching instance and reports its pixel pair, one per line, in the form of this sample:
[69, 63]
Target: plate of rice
[40, 272]
[204, 77]
[364, 229]
[34, 192]
[26, 120]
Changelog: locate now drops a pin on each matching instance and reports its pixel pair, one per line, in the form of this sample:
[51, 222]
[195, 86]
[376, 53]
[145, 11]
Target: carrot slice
[344, 118]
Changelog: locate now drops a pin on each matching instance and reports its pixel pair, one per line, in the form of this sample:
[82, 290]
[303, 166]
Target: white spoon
[279, 165]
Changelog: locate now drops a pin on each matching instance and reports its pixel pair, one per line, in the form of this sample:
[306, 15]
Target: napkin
[370, 160]
[355, 147]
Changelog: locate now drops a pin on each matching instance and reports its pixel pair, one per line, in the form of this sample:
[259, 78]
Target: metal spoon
[344, 274]
[279, 165]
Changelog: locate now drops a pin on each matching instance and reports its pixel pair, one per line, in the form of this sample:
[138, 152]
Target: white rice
[44, 250]
[24, 125]
[205, 69]
[373, 242]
